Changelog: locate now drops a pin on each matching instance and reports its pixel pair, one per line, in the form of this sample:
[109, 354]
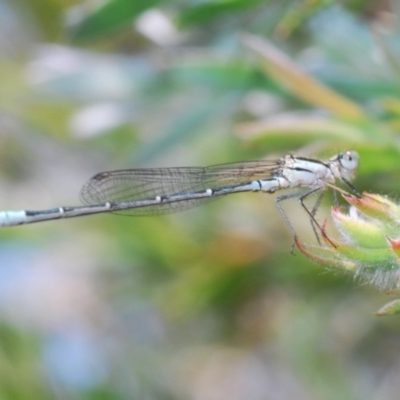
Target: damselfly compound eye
[349, 160]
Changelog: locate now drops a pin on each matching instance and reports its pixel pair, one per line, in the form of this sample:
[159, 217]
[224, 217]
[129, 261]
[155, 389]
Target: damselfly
[154, 191]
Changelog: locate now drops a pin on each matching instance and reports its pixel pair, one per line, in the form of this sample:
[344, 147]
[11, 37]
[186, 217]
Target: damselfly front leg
[314, 223]
[301, 196]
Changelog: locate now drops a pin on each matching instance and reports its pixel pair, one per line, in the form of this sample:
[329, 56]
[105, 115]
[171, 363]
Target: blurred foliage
[207, 304]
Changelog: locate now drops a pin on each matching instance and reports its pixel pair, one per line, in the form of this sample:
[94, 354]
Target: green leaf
[211, 10]
[280, 67]
[114, 15]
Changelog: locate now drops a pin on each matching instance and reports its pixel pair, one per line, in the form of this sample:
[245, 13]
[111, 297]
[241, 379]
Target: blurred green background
[207, 304]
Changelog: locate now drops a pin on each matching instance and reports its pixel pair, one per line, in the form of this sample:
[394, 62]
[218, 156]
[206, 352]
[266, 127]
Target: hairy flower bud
[368, 246]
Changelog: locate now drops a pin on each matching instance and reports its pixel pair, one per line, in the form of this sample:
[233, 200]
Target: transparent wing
[141, 184]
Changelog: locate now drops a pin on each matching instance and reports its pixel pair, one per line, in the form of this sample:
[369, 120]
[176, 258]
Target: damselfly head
[349, 160]
[347, 164]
